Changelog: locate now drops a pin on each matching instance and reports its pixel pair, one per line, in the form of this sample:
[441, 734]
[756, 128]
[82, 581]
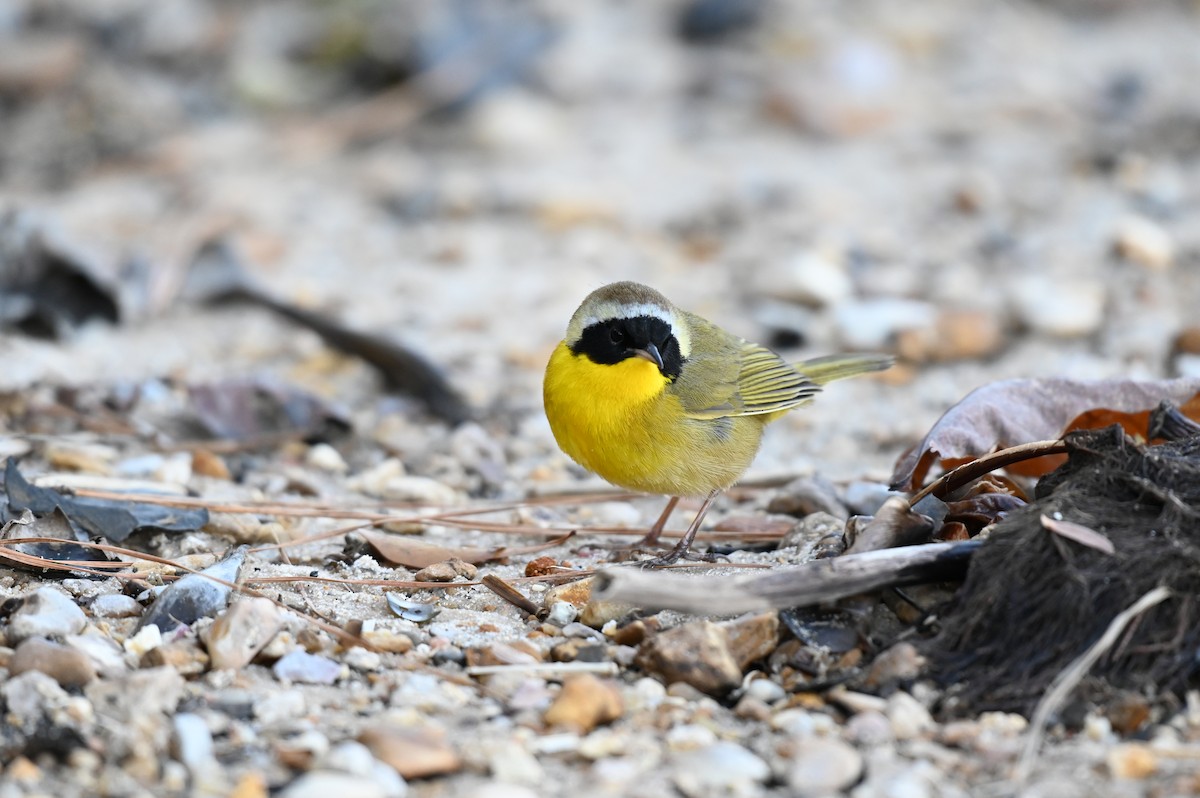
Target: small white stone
[647, 693]
[723, 768]
[602, 744]
[362, 659]
[116, 605]
[822, 767]
[1098, 728]
[326, 458]
[873, 323]
[814, 277]
[765, 690]
[322, 784]
[147, 638]
[1144, 242]
[1009, 724]
[1059, 307]
[510, 762]
[794, 722]
[909, 718]
[562, 613]
[690, 736]
[46, 612]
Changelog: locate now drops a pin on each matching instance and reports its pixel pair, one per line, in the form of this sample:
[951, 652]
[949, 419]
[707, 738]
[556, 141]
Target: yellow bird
[655, 399]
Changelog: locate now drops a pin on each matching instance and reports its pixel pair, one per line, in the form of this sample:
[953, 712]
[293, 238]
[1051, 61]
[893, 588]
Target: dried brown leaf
[1011, 412]
[1083, 535]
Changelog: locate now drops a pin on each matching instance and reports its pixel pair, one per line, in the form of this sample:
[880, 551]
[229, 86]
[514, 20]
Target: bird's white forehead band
[610, 311]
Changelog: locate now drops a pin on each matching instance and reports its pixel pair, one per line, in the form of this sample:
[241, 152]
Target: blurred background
[986, 189]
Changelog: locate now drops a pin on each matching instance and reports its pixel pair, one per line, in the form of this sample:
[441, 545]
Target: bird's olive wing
[727, 376]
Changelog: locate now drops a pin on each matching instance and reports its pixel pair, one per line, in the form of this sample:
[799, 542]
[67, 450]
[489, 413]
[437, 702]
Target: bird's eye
[616, 335]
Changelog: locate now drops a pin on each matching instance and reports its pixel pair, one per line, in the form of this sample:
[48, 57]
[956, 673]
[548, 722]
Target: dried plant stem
[955, 478]
[1068, 679]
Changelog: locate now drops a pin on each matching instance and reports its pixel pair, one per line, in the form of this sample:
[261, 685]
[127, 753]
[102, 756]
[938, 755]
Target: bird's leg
[685, 543]
[656, 531]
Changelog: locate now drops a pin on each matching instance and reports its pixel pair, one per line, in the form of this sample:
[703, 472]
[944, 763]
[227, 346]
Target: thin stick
[510, 594]
[607, 668]
[1068, 679]
[955, 478]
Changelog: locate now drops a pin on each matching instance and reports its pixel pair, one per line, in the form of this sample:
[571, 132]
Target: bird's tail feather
[822, 370]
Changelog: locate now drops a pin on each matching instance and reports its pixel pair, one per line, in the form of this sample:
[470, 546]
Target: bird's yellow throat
[588, 401]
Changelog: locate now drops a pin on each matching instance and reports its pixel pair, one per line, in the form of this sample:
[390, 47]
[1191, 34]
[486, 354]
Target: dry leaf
[1012, 412]
[1079, 533]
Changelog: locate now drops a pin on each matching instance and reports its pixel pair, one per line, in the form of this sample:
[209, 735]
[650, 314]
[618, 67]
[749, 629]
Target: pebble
[209, 464]
[695, 653]
[954, 335]
[412, 751]
[115, 605]
[723, 768]
[765, 690]
[184, 656]
[46, 612]
[577, 593]
[105, 655]
[356, 759]
[498, 789]
[909, 718]
[386, 635]
[1059, 307]
[689, 737]
[823, 766]
[363, 660]
[147, 639]
[584, 703]
[279, 707]
[900, 663]
[562, 613]
[647, 693]
[751, 637]
[301, 667]
[598, 613]
[238, 634]
[322, 784]
[815, 278]
[388, 481]
[66, 665]
[446, 571]
[874, 324]
[808, 495]
[869, 729]
[620, 514]
[195, 596]
[510, 762]
[193, 746]
[324, 457]
[813, 528]
[1144, 242]
[36, 704]
[865, 498]
[1131, 761]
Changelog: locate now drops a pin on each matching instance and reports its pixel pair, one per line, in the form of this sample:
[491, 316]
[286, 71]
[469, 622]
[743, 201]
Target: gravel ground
[986, 190]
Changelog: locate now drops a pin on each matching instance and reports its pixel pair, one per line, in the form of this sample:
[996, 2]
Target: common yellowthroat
[655, 399]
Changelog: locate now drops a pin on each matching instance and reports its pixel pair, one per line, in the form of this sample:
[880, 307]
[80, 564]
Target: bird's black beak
[652, 354]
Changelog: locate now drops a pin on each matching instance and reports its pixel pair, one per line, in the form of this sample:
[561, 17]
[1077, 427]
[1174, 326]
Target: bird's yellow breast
[623, 422]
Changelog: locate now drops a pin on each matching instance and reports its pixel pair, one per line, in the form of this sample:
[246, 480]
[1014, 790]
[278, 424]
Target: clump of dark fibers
[1033, 600]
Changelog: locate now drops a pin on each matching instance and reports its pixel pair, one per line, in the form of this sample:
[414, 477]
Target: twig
[955, 478]
[510, 594]
[607, 668]
[803, 585]
[1068, 679]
